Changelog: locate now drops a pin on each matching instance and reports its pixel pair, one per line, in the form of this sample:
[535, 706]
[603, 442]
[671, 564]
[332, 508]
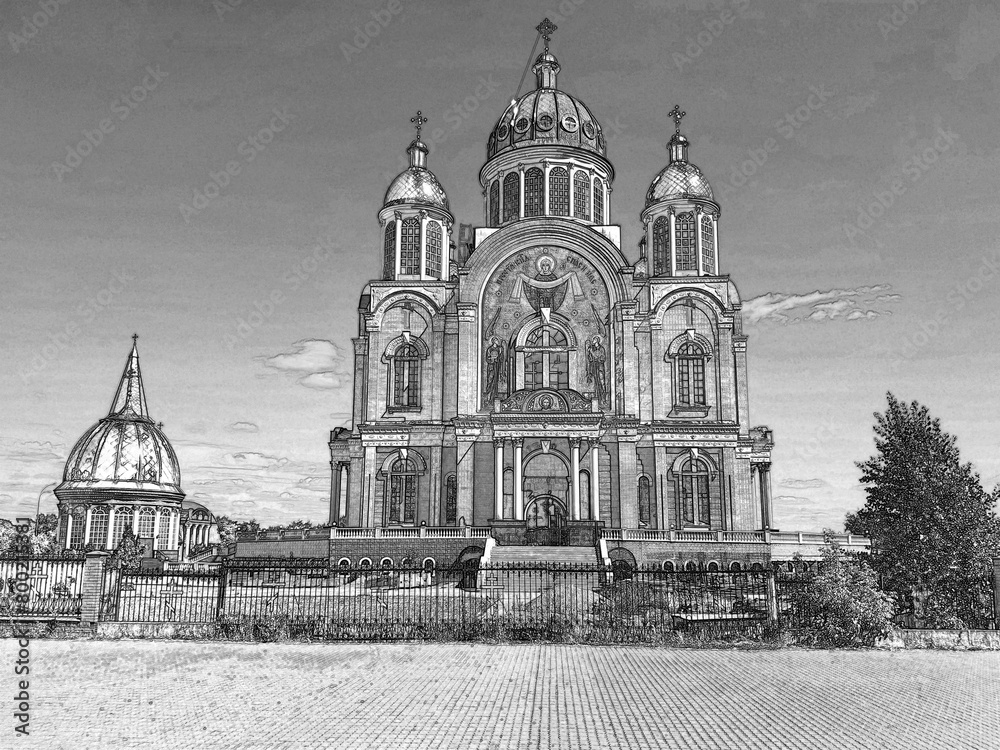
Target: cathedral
[531, 380]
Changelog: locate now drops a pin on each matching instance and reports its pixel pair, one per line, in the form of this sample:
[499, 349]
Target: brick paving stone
[109, 694]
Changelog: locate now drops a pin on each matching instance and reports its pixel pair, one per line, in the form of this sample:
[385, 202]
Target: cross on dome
[677, 116]
[545, 28]
[418, 122]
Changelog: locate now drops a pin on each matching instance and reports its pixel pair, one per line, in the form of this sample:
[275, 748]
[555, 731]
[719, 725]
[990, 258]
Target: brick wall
[655, 553]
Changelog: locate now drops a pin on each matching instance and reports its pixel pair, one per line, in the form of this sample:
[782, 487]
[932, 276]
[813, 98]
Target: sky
[207, 175]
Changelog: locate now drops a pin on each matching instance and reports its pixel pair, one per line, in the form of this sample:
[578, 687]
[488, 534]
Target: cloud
[850, 304]
[243, 427]
[321, 364]
[803, 484]
[33, 450]
[255, 461]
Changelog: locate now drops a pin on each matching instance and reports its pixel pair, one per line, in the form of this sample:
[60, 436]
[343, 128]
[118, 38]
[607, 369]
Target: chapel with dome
[532, 383]
[124, 474]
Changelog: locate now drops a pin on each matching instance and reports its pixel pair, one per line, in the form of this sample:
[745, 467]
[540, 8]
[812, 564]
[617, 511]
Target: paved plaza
[104, 694]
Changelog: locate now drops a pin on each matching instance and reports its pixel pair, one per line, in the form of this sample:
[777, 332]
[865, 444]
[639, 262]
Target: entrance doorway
[545, 520]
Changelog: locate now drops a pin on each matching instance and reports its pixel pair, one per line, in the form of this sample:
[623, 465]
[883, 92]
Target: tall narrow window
[685, 242]
[707, 244]
[146, 521]
[163, 540]
[406, 377]
[558, 192]
[546, 359]
[644, 508]
[76, 534]
[389, 250]
[402, 496]
[433, 249]
[661, 245]
[451, 501]
[99, 527]
[511, 196]
[690, 375]
[581, 195]
[495, 203]
[409, 260]
[694, 494]
[123, 520]
[534, 192]
[599, 201]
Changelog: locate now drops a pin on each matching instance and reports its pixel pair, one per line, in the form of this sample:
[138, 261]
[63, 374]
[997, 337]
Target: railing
[738, 537]
[411, 532]
[42, 587]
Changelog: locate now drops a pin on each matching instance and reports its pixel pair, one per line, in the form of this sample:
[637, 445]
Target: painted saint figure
[546, 291]
[597, 359]
[496, 360]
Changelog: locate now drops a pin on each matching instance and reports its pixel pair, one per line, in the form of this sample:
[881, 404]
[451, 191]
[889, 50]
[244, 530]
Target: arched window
[495, 203]
[99, 527]
[389, 250]
[693, 482]
[581, 195]
[707, 244]
[429, 565]
[365, 563]
[409, 259]
[402, 495]
[123, 520]
[386, 563]
[558, 192]
[644, 501]
[735, 566]
[76, 533]
[511, 196]
[690, 363]
[598, 201]
[534, 192]
[713, 567]
[546, 359]
[451, 501]
[433, 249]
[684, 241]
[668, 565]
[406, 377]
[147, 517]
[661, 245]
[344, 564]
[691, 566]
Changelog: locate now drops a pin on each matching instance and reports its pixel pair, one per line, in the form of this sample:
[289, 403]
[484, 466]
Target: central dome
[546, 116]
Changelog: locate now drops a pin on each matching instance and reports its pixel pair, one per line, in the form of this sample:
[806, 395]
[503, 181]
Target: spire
[130, 399]
[678, 145]
[546, 67]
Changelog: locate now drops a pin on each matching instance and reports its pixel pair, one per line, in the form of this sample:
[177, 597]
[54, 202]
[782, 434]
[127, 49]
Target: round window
[545, 122]
[502, 132]
[521, 124]
[588, 129]
[570, 124]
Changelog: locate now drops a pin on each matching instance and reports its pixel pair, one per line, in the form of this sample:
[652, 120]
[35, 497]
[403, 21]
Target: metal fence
[40, 587]
[513, 601]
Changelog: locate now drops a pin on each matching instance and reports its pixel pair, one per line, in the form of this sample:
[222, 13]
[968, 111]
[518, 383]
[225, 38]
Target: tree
[128, 555]
[230, 529]
[934, 529]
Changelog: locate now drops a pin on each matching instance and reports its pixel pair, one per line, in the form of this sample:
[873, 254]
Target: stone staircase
[539, 555]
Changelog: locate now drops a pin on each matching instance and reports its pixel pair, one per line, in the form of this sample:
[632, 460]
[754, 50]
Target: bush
[842, 604]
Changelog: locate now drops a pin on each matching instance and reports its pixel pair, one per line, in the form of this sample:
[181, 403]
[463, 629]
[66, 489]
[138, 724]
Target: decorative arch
[403, 453]
[711, 305]
[694, 454]
[422, 305]
[689, 337]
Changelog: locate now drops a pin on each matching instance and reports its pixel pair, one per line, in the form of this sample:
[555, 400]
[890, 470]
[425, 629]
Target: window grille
[534, 192]
[558, 192]
[684, 241]
[409, 261]
[511, 196]
[581, 195]
[389, 250]
[433, 249]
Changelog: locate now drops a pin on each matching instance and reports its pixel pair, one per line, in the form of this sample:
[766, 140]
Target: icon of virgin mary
[546, 291]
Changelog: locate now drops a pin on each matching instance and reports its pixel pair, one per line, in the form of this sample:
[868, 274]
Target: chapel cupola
[416, 220]
[680, 220]
[546, 154]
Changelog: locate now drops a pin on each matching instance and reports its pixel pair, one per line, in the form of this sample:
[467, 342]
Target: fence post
[93, 586]
[772, 596]
[996, 593]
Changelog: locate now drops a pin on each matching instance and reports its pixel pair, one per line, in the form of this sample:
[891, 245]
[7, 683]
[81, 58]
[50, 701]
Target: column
[671, 248]
[498, 478]
[628, 481]
[368, 488]
[335, 491]
[111, 527]
[572, 172]
[697, 241]
[595, 484]
[547, 168]
[399, 234]
[518, 481]
[86, 532]
[135, 522]
[69, 528]
[156, 530]
[764, 476]
[575, 477]
[715, 236]
[423, 244]
[520, 177]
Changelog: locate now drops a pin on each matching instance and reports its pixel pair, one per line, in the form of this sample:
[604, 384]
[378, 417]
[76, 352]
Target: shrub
[842, 604]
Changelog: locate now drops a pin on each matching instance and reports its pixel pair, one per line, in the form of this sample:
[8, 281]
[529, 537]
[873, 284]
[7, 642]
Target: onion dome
[126, 450]
[546, 116]
[416, 184]
[680, 178]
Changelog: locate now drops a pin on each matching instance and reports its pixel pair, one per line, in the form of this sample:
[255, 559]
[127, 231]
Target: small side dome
[680, 178]
[416, 184]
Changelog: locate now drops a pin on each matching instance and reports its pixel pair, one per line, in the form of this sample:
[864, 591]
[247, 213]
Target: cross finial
[418, 121]
[159, 425]
[677, 116]
[545, 28]
[135, 337]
